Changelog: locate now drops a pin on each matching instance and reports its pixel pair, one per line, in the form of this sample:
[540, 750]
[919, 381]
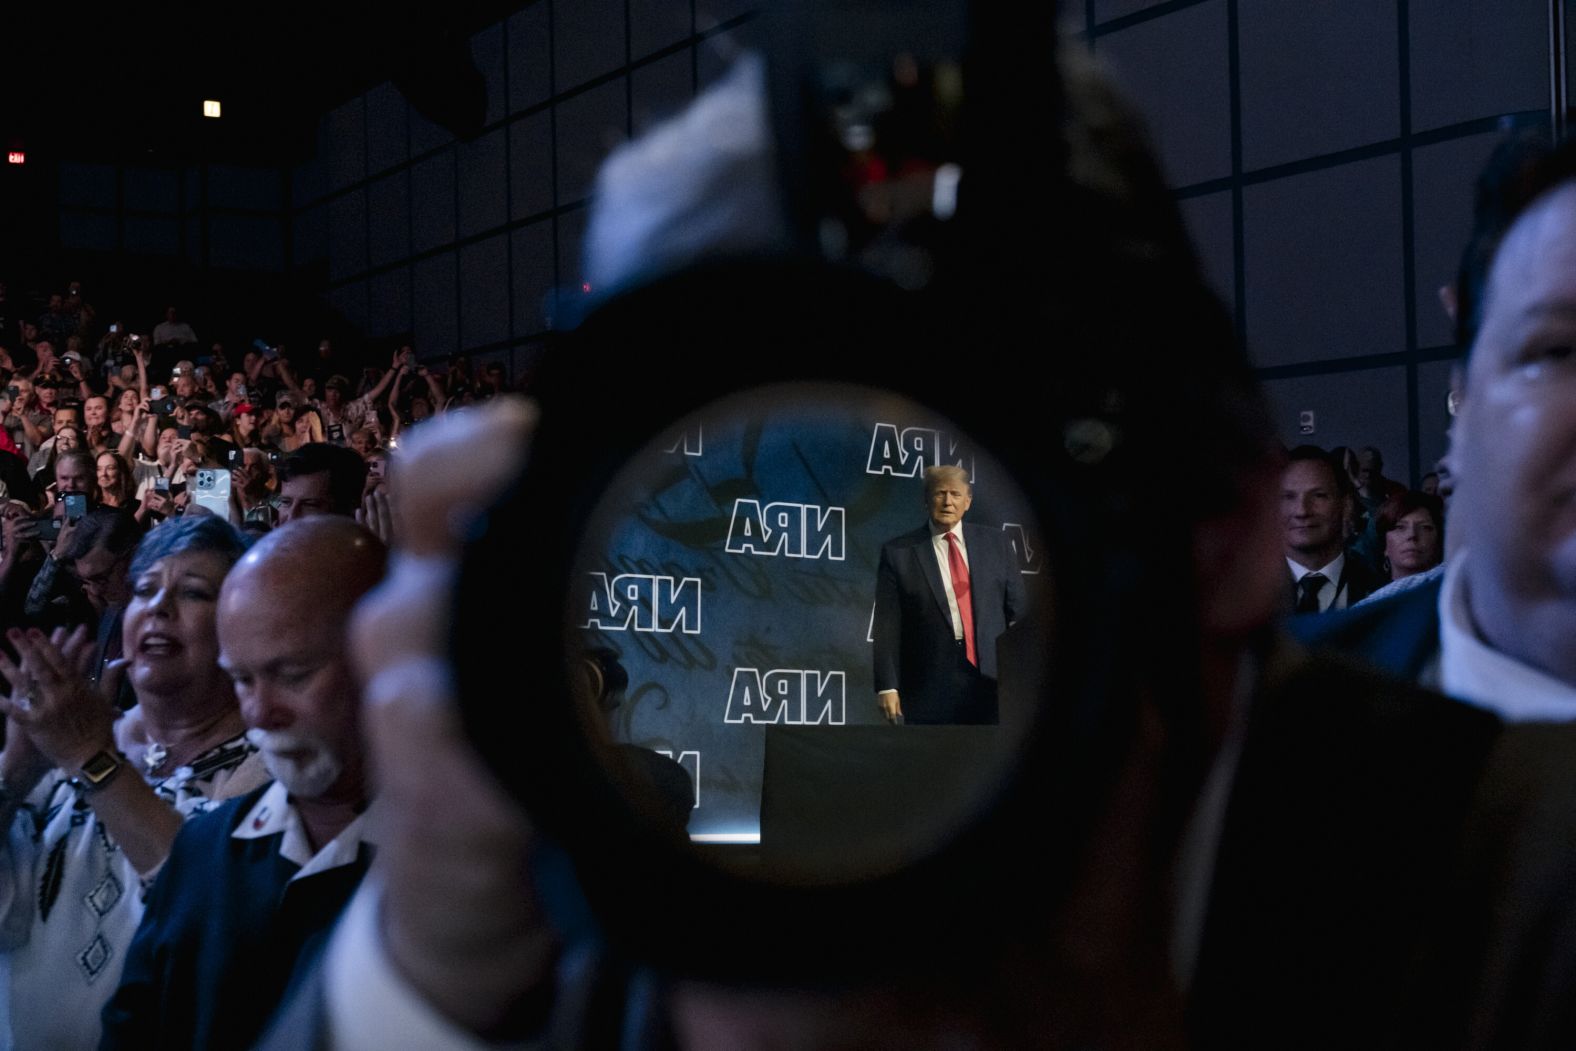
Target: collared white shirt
[273, 814]
[939, 542]
[1475, 672]
[1331, 594]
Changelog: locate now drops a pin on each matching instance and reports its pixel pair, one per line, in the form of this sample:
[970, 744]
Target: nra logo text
[690, 441]
[1018, 537]
[643, 603]
[794, 530]
[908, 452]
[786, 695]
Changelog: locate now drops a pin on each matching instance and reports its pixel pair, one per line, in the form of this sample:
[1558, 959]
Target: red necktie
[960, 588]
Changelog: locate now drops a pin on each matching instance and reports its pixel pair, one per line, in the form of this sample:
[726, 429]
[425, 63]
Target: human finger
[9, 670]
[41, 660]
[114, 675]
[78, 651]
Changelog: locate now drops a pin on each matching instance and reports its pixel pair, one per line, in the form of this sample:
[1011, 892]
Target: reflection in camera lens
[792, 661]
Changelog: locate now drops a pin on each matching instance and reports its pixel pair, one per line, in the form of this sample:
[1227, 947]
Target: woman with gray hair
[90, 803]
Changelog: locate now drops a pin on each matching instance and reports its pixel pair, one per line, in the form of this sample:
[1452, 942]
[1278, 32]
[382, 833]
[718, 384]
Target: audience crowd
[135, 473]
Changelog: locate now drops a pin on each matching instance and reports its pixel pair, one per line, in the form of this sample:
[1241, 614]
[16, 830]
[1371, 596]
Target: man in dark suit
[1315, 494]
[944, 594]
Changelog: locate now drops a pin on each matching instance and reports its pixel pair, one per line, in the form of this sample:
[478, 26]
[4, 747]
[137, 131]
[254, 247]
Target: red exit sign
[16, 157]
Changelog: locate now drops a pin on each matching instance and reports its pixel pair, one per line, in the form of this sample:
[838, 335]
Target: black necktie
[1308, 592]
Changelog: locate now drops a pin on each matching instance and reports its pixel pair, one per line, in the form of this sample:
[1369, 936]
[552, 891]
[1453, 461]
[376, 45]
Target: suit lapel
[925, 551]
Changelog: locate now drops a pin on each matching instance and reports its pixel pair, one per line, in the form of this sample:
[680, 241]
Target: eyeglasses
[98, 580]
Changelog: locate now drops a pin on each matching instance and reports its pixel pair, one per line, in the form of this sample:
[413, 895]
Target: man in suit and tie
[944, 593]
[1314, 498]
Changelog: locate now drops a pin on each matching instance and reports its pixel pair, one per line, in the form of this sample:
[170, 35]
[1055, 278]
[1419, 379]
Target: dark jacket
[224, 937]
[915, 650]
[1398, 634]
[1345, 815]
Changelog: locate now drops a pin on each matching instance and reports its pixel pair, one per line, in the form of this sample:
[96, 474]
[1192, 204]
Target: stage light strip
[725, 837]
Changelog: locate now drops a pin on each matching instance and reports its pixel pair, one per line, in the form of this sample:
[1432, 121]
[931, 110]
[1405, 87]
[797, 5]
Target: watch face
[99, 767]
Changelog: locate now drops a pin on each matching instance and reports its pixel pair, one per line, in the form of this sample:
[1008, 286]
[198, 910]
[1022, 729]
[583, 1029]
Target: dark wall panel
[88, 231]
[588, 40]
[388, 237]
[531, 164]
[1175, 69]
[249, 242]
[656, 24]
[307, 184]
[255, 189]
[342, 144]
[529, 58]
[309, 236]
[1442, 180]
[484, 292]
[487, 51]
[589, 126]
[1316, 77]
[1475, 59]
[532, 276]
[1324, 264]
[571, 238]
[433, 292]
[1357, 409]
[1209, 222]
[87, 185]
[1105, 10]
[152, 189]
[484, 182]
[388, 131]
[148, 235]
[432, 202]
[1433, 413]
[347, 234]
[388, 302]
[351, 302]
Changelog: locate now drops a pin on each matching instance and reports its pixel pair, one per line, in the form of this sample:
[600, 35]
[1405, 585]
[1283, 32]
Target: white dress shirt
[938, 540]
[1475, 672]
[1331, 594]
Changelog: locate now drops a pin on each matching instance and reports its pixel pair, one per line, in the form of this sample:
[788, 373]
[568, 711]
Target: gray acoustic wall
[466, 243]
[1324, 154]
[225, 216]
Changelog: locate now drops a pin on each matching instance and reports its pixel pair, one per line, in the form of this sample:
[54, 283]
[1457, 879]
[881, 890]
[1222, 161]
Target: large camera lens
[740, 585]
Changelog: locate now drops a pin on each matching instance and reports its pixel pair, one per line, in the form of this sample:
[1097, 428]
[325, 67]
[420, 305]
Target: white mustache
[282, 740]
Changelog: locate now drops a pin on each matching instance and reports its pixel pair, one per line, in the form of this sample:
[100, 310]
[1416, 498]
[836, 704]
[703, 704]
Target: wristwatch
[99, 770]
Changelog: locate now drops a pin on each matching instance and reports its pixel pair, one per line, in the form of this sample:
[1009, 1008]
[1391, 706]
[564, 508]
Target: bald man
[250, 891]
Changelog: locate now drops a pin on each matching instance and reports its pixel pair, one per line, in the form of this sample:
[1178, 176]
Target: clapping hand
[52, 698]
